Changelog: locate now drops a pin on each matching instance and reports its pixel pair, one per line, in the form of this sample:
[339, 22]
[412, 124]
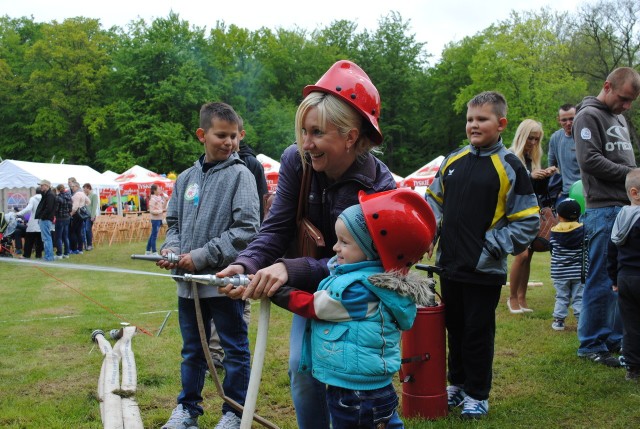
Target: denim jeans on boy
[568, 292]
[361, 408]
[227, 314]
[308, 394]
[47, 240]
[62, 236]
[155, 227]
[600, 325]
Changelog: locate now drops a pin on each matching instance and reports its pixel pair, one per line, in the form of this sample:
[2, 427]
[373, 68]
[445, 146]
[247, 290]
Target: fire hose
[248, 411]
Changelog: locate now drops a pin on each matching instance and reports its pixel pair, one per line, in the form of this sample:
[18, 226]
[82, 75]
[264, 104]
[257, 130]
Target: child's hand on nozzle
[164, 263]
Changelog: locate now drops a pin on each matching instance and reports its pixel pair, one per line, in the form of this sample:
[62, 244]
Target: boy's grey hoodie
[212, 216]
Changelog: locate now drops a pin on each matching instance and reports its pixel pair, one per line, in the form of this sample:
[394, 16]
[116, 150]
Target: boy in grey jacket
[212, 215]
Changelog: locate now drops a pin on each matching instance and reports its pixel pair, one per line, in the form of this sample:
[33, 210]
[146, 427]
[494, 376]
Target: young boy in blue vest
[357, 313]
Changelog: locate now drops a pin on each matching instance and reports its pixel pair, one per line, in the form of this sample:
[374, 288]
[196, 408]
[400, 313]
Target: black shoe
[603, 358]
[633, 374]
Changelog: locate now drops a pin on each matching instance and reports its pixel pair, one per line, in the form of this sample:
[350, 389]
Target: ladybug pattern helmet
[350, 83]
[401, 224]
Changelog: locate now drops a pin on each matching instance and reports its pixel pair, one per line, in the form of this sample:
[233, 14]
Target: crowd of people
[56, 222]
[344, 295]
[356, 293]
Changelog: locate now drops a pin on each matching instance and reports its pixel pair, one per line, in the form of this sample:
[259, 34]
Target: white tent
[110, 175]
[18, 179]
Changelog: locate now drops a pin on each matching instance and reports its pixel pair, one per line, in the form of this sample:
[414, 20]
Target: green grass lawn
[49, 368]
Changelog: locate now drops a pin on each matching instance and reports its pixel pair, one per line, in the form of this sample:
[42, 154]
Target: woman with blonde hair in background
[526, 146]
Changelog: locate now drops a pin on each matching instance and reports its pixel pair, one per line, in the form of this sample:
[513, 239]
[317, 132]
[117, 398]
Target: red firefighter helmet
[401, 224]
[349, 82]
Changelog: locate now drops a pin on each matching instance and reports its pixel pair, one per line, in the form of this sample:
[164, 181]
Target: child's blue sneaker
[474, 408]
[455, 396]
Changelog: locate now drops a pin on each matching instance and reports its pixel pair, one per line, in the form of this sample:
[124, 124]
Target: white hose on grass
[111, 409]
[130, 410]
[258, 362]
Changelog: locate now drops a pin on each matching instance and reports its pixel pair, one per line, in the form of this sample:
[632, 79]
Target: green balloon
[577, 193]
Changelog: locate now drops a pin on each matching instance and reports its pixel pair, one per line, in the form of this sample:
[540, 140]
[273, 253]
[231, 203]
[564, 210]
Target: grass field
[49, 368]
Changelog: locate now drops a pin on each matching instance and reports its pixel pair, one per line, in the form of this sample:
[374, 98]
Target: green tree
[16, 37]
[395, 61]
[67, 81]
[158, 81]
[520, 59]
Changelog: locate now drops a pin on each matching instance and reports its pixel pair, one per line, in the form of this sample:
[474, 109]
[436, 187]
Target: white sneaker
[229, 421]
[65, 256]
[57, 257]
[473, 409]
[147, 252]
[181, 419]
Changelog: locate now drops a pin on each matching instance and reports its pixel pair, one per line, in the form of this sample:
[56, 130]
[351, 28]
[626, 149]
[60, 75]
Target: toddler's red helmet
[401, 224]
[349, 82]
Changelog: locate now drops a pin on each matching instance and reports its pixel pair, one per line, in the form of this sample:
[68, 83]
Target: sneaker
[633, 374]
[147, 252]
[623, 361]
[604, 358]
[65, 256]
[78, 252]
[229, 421]
[455, 396]
[181, 419]
[474, 409]
[217, 363]
[558, 325]
[89, 248]
[57, 257]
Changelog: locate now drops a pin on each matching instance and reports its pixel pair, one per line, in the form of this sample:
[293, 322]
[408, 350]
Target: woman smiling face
[532, 141]
[330, 151]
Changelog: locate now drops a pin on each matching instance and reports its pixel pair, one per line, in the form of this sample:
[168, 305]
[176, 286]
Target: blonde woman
[526, 146]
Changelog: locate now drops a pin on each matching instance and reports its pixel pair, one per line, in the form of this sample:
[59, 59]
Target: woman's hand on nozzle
[229, 290]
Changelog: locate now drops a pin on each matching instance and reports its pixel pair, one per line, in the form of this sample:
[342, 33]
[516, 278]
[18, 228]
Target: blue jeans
[47, 240]
[88, 231]
[308, 394]
[361, 408]
[155, 227]
[227, 314]
[62, 236]
[600, 325]
[568, 292]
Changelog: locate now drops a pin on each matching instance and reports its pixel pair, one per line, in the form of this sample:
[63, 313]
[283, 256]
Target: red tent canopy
[271, 169]
[138, 180]
[424, 176]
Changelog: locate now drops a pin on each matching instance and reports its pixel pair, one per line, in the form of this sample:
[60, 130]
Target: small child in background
[567, 260]
[623, 266]
[358, 311]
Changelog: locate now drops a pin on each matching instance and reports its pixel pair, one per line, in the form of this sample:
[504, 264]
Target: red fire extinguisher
[423, 371]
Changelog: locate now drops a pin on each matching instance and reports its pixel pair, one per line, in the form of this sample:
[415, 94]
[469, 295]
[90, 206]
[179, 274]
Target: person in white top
[33, 236]
[78, 200]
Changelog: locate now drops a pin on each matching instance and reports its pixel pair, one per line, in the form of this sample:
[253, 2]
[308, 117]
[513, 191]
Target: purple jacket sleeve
[279, 228]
